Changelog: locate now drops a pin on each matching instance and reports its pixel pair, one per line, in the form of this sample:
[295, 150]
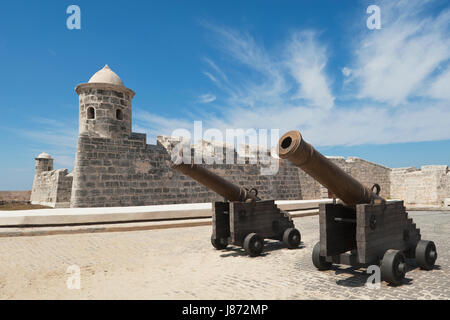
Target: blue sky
[382, 95]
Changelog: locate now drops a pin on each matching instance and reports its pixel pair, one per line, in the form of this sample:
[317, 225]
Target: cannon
[243, 219]
[362, 228]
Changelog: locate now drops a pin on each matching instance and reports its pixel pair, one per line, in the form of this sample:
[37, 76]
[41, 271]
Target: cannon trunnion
[364, 229]
[243, 219]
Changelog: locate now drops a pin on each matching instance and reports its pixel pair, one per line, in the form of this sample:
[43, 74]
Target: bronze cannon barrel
[221, 186]
[294, 148]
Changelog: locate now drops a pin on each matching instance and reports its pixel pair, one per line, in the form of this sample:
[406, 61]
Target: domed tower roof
[106, 75]
[44, 155]
[105, 79]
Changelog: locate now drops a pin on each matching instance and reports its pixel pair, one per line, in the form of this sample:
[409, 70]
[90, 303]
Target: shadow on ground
[234, 251]
[359, 277]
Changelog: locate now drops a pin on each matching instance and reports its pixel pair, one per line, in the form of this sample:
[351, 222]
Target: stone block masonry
[429, 185]
[369, 173]
[52, 188]
[366, 172]
[129, 172]
[110, 115]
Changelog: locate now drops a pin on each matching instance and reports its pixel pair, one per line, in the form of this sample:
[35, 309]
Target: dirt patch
[15, 195]
[21, 206]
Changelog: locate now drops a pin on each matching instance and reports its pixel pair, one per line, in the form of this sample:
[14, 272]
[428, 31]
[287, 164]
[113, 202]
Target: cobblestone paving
[181, 264]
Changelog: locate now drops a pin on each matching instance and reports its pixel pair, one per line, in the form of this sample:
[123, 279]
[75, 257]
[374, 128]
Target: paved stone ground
[181, 264]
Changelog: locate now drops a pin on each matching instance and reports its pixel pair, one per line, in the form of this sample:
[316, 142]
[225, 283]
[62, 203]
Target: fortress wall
[52, 188]
[129, 172]
[369, 173]
[310, 188]
[366, 172]
[428, 185]
[443, 187]
[64, 189]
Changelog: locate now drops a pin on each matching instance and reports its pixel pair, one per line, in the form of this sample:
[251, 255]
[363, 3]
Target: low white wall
[126, 214]
[429, 185]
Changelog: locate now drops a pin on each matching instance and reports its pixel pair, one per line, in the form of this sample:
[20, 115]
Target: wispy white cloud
[63, 138]
[439, 87]
[56, 137]
[210, 76]
[393, 64]
[206, 98]
[306, 61]
[346, 71]
[400, 78]
[217, 69]
[270, 90]
[154, 125]
[260, 74]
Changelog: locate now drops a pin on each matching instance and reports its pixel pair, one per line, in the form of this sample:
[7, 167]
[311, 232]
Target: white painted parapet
[71, 216]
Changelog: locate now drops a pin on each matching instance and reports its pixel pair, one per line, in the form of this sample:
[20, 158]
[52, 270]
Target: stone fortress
[116, 167]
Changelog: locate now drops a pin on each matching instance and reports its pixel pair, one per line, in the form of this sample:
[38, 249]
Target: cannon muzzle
[294, 148]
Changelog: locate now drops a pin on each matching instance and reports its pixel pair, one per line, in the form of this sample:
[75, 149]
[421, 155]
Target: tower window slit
[119, 114]
[91, 113]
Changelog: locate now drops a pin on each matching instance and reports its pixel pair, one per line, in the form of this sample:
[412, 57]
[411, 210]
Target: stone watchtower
[44, 162]
[104, 131]
[105, 106]
[116, 167]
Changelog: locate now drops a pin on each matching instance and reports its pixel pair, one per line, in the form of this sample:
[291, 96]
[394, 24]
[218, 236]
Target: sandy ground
[181, 264]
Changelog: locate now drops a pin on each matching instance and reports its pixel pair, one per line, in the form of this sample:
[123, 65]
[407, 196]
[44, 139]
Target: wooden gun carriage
[364, 229]
[243, 219]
